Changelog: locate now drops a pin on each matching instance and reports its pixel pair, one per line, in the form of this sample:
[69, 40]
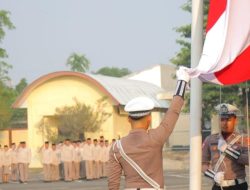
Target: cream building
[58, 89]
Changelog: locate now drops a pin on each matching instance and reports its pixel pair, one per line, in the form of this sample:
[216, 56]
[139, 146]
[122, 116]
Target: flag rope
[248, 131]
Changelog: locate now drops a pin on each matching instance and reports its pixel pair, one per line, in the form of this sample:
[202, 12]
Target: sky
[133, 34]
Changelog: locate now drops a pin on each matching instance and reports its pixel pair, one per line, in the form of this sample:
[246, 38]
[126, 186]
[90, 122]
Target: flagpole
[195, 97]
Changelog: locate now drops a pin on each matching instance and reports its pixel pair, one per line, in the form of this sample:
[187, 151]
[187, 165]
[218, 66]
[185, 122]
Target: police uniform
[229, 163]
[143, 146]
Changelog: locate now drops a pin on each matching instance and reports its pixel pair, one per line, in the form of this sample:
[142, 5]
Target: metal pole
[195, 97]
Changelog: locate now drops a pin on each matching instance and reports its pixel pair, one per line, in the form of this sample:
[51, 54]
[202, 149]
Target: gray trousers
[82, 169]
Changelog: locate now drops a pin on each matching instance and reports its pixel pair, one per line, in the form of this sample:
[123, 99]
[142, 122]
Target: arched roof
[119, 90]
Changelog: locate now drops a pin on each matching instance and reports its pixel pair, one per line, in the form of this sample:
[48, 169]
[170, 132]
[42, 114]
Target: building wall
[180, 135]
[17, 136]
[4, 137]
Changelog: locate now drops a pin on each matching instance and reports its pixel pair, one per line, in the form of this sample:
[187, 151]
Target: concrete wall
[180, 135]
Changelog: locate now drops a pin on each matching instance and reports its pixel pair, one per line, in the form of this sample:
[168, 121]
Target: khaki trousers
[76, 170]
[96, 169]
[68, 171]
[54, 171]
[89, 169]
[105, 169]
[102, 169]
[14, 172]
[23, 172]
[46, 172]
[1, 173]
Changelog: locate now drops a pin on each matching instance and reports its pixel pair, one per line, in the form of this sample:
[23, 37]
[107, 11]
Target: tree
[4, 23]
[75, 120]
[113, 71]
[21, 85]
[211, 93]
[78, 62]
[7, 97]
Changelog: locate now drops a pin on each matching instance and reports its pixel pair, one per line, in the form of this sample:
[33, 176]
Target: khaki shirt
[46, 155]
[67, 153]
[55, 157]
[24, 155]
[13, 156]
[145, 148]
[7, 158]
[234, 169]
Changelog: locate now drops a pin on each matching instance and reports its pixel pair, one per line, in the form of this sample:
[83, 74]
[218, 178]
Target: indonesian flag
[226, 53]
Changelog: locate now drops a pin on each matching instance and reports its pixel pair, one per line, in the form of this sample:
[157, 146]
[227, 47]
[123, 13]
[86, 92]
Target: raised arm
[161, 133]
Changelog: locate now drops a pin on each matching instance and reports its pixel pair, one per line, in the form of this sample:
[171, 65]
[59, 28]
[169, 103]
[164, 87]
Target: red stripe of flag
[236, 72]
[216, 9]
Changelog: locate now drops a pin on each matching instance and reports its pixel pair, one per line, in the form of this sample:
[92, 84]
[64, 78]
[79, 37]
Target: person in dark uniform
[139, 154]
[224, 155]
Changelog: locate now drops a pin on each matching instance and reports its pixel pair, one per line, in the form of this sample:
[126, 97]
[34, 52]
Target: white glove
[182, 74]
[219, 177]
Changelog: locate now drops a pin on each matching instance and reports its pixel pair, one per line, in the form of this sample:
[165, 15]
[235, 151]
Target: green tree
[5, 23]
[212, 94]
[113, 71]
[75, 120]
[78, 62]
[21, 85]
[7, 97]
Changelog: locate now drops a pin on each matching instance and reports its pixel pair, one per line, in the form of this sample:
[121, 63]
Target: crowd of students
[68, 160]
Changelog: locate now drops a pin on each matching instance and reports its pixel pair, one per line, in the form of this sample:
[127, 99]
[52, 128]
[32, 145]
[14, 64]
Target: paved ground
[174, 180]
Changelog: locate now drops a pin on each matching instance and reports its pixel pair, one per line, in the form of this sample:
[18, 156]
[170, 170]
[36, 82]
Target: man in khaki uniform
[224, 155]
[106, 157]
[96, 159]
[142, 145]
[46, 161]
[6, 164]
[102, 158]
[14, 168]
[88, 156]
[67, 158]
[76, 160]
[23, 158]
[1, 163]
[55, 161]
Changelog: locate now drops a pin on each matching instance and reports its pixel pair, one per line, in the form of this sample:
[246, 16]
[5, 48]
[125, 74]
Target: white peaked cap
[226, 109]
[139, 106]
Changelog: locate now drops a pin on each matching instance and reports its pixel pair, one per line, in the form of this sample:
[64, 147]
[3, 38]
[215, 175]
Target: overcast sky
[135, 34]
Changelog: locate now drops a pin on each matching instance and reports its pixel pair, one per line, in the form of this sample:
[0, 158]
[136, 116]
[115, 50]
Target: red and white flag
[226, 53]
